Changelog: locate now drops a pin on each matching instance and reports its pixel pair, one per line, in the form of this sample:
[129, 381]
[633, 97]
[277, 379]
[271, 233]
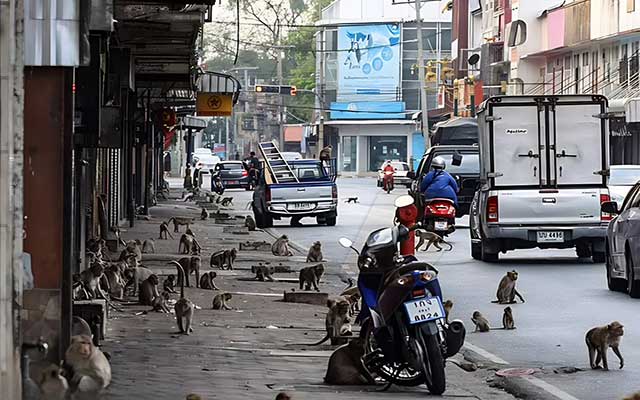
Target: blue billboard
[368, 63]
[368, 110]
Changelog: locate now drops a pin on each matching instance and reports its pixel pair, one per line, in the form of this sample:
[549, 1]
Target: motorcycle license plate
[423, 310]
[441, 225]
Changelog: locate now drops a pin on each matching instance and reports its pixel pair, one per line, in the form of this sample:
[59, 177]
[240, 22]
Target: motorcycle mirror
[404, 201]
[346, 243]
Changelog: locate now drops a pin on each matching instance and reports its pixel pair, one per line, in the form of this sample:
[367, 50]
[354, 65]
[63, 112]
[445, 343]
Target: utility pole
[320, 93]
[423, 93]
[281, 109]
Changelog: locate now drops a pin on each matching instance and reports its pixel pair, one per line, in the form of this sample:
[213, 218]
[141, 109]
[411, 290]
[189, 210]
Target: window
[585, 59]
[567, 63]
[631, 5]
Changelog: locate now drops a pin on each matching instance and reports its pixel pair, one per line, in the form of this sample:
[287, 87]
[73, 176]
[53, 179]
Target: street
[564, 296]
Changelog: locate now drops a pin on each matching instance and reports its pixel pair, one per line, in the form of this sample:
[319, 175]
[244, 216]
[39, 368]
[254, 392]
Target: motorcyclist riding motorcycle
[438, 183]
[387, 179]
[253, 167]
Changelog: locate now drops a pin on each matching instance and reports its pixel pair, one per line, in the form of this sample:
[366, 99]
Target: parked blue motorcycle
[403, 321]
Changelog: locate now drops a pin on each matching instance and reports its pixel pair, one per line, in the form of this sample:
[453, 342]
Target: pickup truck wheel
[486, 255]
[633, 286]
[583, 251]
[476, 251]
[331, 221]
[598, 257]
[614, 284]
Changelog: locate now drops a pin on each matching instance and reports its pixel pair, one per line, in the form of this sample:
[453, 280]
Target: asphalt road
[564, 298]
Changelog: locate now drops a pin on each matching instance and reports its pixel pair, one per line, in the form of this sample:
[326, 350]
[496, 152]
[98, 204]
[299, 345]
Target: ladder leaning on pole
[279, 168]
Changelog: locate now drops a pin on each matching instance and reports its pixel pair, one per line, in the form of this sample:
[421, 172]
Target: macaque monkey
[345, 365]
[507, 292]
[187, 266]
[263, 273]
[220, 301]
[164, 231]
[310, 277]
[135, 247]
[351, 200]
[250, 223]
[118, 235]
[431, 238]
[149, 246]
[481, 323]
[149, 290]
[160, 303]
[136, 275]
[335, 321]
[78, 289]
[448, 305]
[325, 153]
[53, 386]
[204, 214]
[283, 396]
[91, 279]
[207, 281]
[113, 274]
[183, 308]
[315, 252]
[227, 201]
[91, 369]
[177, 221]
[255, 245]
[188, 245]
[507, 319]
[169, 284]
[599, 339]
[281, 247]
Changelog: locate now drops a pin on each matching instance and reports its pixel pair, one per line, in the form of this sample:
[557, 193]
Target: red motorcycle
[387, 181]
[440, 216]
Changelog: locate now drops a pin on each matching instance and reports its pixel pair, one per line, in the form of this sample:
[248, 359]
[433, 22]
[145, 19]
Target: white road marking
[489, 356]
[561, 394]
[256, 294]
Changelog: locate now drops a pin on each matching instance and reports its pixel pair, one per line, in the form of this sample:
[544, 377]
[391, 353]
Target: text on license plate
[233, 182]
[550, 236]
[423, 310]
[299, 206]
[441, 225]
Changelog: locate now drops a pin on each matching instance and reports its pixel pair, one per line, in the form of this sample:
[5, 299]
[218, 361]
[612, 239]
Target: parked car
[542, 186]
[204, 160]
[623, 244]
[462, 163]
[399, 177]
[621, 180]
[233, 174]
[455, 131]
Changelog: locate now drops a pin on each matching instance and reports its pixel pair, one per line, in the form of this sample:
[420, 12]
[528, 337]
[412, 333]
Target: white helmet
[438, 163]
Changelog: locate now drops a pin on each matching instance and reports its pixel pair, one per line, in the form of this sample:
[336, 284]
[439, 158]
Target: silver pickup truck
[543, 175]
[314, 195]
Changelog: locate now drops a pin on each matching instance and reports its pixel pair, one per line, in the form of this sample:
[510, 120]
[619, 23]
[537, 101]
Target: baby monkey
[598, 339]
[169, 284]
[220, 301]
[507, 319]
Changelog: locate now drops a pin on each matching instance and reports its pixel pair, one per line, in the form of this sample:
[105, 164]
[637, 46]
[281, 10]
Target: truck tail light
[492, 209]
[605, 217]
[245, 172]
[267, 194]
[334, 192]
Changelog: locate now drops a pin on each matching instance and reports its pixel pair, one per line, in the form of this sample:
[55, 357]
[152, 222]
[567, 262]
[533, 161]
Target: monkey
[189, 245]
[507, 291]
[91, 369]
[315, 252]
[149, 290]
[218, 259]
[118, 235]
[135, 247]
[169, 284]
[204, 214]
[598, 339]
[325, 153]
[354, 302]
[430, 238]
[253, 245]
[78, 289]
[220, 301]
[183, 308]
[481, 323]
[635, 396]
[345, 365]
[227, 201]
[135, 276]
[250, 223]
[164, 231]
[263, 273]
[149, 246]
[113, 274]
[310, 276]
[188, 265]
[190, 232]
[352, 200]
[159, 303]
[335, 321]
[281, 247]
[177, 221]
[283, 396]
[80, 327]
[91, 279]
[52, 385]
[206, 281]
[507, 319]
[233, 253]
[448, 305]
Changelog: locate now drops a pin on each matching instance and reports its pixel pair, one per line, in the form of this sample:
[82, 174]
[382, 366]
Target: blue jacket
[439, 184]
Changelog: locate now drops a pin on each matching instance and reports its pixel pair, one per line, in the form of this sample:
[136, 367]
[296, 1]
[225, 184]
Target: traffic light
[267, 89]
[293, 91]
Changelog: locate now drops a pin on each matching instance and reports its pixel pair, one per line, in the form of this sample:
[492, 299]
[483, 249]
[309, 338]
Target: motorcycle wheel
[434, 365]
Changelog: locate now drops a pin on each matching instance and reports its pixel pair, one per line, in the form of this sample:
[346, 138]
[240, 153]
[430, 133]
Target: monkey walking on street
[431, 238]
[351, 200]
[185, 267]
[177, 221]
[507, 291]
[599, 339]
[220, 301]
[315, 252]
[164, 231]
[310, 277]
[183, 308]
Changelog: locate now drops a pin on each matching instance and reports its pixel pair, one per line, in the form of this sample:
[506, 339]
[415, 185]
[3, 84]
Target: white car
[204, 160]
[400, 176]
[621, 180]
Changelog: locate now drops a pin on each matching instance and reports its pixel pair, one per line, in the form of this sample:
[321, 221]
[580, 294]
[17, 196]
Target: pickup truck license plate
[299, 206]
[441, 225]
[550, 236]
[423, 310]
[233, 182]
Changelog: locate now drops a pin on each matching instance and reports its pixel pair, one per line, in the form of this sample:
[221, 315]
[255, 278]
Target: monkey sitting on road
[164, 231]
[250, 223]
[183, 308]
[204, 214]
[281, 247]
[91, 369]
[220, 301]
[335, 322]
[507, 319]
[481, 323]
[310, 277]
[207, 281]
[169, 284]
[599, 339]
[430, 238]
[149, 290]
[149, 246]
[53, 386]
[263, 273]
[345, 365]
[507, 292]
[351, 200]
[448, 305]
[160, 303]
[315, 252]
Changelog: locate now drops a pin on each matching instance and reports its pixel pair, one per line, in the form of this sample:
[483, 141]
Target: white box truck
[543, 175]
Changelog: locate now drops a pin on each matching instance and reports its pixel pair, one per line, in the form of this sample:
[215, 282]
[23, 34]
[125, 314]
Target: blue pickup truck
[314, 195]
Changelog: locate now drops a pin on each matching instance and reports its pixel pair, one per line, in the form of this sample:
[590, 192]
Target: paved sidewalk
[251, 352]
